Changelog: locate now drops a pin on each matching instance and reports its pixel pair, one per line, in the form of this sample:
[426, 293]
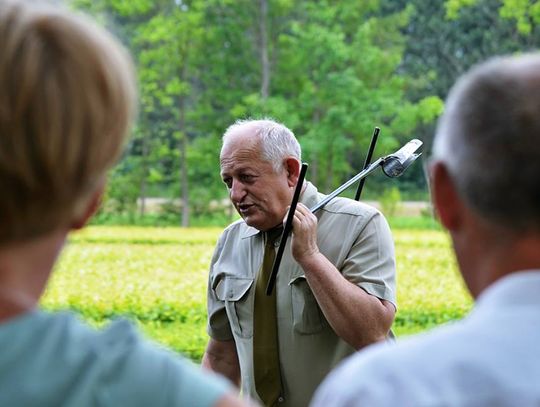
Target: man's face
[260, 195]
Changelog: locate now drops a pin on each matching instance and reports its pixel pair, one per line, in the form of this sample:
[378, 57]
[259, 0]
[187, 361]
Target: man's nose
[237, 191]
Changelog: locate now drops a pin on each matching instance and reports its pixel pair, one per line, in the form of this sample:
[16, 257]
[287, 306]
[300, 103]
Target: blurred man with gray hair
[485, 176]
[335, 291]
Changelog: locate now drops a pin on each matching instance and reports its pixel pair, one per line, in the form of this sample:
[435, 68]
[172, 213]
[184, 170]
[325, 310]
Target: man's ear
[89, 209]
[292, 166]
[446, 200]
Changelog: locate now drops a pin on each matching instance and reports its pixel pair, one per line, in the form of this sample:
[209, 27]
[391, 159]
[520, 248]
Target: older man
[335, 291]
[486, 190]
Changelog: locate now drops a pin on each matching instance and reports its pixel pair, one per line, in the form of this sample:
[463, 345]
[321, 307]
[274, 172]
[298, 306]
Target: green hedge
[157, 278]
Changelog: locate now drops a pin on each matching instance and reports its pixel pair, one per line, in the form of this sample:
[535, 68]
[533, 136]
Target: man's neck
[497, 261]
[24, 271]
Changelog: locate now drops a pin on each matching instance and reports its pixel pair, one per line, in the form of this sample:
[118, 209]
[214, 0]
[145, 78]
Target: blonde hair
[67, 101]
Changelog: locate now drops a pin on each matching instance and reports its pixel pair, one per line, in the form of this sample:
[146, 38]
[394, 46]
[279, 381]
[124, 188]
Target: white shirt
[491, 358]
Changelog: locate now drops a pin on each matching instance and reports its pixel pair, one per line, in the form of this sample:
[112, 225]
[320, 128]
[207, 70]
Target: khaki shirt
[353, 236]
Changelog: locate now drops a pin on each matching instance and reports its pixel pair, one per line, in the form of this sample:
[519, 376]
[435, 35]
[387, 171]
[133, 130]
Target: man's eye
[228, 182]
[247, 178]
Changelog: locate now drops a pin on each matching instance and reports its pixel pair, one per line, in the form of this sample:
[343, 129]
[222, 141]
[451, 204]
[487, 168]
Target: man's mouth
[244, 208]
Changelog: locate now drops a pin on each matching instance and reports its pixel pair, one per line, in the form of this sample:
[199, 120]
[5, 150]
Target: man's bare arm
[221, 357]
[356, 316]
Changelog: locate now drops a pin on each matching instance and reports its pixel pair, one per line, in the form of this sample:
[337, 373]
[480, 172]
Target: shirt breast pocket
[307, 316]
[235, 292]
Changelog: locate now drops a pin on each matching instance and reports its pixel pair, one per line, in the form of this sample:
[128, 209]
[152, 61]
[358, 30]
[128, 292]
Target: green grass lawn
[157, 277]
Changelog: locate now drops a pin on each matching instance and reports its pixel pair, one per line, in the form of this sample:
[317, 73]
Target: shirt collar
[518, 288]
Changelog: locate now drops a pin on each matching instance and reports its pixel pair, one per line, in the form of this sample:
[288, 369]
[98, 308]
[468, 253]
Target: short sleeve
[370, 263]
[218, 326]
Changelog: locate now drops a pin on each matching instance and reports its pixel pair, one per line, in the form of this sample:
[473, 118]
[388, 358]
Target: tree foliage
[329, 70]
[525, 13]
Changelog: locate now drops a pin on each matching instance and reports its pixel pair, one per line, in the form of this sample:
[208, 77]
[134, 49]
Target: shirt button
[280, 399]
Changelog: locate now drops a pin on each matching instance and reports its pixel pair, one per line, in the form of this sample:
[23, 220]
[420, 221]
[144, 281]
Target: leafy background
[330, 70]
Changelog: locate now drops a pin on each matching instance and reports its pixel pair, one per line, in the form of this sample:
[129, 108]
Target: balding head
[274, 141]
[260, 164]
[489, 137]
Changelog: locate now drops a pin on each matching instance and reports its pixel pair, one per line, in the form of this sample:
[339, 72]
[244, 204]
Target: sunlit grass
[430, 290]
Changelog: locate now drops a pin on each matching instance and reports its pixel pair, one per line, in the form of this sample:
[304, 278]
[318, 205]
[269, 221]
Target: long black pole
[369, 155]
[286, 229]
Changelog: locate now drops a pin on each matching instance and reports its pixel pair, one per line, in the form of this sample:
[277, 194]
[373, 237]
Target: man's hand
[356, 316]
[304, 234]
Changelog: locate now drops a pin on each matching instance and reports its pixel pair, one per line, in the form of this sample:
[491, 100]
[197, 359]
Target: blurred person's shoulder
[61, 358]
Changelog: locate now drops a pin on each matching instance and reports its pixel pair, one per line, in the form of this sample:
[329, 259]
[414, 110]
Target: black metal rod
[369, 156]
[336, 192]
[286, 229]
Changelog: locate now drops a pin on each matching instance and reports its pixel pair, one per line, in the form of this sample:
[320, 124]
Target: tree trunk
[185, 185]
[265, 63]
[330, 168]
[142, 196]
[143, 184]
[314, 170]
[183, 143]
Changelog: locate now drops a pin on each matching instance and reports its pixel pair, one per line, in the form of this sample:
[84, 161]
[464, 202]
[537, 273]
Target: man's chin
[260, 224]
[254, 222]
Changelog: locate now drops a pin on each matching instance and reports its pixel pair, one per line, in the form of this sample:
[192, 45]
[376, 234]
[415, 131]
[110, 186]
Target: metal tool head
[395, 164]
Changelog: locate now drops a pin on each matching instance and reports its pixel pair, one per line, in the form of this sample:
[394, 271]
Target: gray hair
[489, 137]
[277, 142]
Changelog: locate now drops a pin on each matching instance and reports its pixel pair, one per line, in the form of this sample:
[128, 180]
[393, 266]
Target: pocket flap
[297, 279]
[233, 288]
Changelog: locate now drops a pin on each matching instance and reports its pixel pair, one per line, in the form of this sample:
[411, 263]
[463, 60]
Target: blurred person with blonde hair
[67, 100]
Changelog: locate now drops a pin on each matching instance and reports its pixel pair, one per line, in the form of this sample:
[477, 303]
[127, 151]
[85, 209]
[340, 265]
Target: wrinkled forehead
[240, 150]
[245, 135]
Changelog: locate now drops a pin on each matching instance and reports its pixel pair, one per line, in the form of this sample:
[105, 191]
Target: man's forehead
[239, 148]
[243, 137]
[240, 159]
